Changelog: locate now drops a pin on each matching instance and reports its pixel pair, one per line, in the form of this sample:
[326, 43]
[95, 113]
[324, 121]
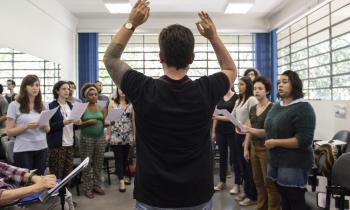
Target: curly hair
[23, 98]
[86, 86]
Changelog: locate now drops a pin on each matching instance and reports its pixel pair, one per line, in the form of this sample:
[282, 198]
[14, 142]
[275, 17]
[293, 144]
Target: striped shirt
[11, 177]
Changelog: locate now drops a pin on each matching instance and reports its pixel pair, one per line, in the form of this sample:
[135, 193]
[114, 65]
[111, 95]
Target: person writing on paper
[30, 149]
[172, 114]
[223, 132]
[17, 183]
[255, 150]
[92, 142]
[290, 127]
[121, 135]
[60, 139]
[242, 168]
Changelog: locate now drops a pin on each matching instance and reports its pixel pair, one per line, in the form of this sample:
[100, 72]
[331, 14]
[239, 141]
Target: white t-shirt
[67, 136]
[31, 139]
[241, 111]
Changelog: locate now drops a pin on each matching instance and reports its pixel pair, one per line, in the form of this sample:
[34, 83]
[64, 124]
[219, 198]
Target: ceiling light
[238, 8]
[118, 7]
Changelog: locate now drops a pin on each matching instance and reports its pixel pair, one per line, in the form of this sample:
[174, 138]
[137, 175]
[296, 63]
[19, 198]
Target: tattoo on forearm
[115, 67]
[114, 50]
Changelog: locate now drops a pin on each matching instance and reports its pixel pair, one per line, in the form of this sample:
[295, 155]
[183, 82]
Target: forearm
[16, 131]
[247, 141]
[215, 122]
[223, 56]
[3, 119]
[222, 118]
[9, 196]
[115, 67]
[290, 143]
[260, 133]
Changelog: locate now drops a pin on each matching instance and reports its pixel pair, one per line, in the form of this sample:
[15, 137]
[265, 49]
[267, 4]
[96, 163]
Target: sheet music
[77, 111]
[114, 115]
[46, 115]
[229, 116]
[102, 103]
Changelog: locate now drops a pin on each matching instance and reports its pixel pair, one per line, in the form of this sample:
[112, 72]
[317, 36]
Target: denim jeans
[205, 206]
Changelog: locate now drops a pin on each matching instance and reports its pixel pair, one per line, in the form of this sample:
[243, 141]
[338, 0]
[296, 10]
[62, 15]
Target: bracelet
[31, 175]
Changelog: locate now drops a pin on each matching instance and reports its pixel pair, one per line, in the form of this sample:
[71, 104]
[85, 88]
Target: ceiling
[96, 8]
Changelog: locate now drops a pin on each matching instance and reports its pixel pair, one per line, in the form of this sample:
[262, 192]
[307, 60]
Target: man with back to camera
[173, 114]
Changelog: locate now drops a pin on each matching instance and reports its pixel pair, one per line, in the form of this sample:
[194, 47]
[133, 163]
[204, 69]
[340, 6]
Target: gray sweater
[296, 120]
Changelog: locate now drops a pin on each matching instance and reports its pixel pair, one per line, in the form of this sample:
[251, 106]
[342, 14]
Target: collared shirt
[11, 177]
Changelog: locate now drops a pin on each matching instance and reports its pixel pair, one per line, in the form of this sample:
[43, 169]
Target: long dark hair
[23, 98]
[117, 98]
[248, 92]
[297, 84]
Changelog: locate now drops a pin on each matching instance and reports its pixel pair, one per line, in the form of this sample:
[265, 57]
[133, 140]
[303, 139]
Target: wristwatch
[129, 26]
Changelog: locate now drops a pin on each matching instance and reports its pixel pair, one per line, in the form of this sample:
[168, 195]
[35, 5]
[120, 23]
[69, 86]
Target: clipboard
[45, 195]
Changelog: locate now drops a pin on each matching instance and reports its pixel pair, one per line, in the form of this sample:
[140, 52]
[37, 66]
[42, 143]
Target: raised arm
[116, 67]
[206, 28]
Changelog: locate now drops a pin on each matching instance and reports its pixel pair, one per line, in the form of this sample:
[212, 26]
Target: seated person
[16, 183]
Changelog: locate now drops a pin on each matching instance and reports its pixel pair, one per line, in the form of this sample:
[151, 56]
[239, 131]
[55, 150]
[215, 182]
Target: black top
[173, 117]
[9, 99]
[226, 127]
[258, 121]
[295, 120]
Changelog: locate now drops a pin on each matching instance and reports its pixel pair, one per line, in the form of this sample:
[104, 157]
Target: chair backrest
[340, 172]
[8, 145]
[343, 135]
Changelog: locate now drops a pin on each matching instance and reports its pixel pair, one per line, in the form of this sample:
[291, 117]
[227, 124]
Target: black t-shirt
[226, 127]
[173, 117]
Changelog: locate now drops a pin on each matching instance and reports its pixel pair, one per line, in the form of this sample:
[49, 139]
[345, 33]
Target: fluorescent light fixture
[238, 8]
[115, 8]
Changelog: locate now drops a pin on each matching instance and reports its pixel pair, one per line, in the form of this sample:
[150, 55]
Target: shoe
[240, 197]
[75, 204]
[220, 186]
[122, 190]
[235, 190]
[127, 181]
[89, 194]
[247, 202]
[98, 190]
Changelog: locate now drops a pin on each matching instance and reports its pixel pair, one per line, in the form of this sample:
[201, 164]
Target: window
[16, 65]
[317, 46]
[142, 54]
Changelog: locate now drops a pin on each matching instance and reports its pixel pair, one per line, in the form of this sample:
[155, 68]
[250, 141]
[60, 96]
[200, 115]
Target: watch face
[128, 25]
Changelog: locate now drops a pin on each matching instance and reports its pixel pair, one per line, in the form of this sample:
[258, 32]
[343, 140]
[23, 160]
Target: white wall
[292, 10]
[42, 28]
[326, 122]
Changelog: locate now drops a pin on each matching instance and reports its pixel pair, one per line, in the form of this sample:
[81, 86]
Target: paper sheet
[102, 103]
[229, 116]
[114, 115]
[335, 142]
[77, 111]
[46, 115]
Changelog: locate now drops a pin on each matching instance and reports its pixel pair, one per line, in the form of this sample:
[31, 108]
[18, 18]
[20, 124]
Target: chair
[341, 182]
[8, 144]
[343, 135]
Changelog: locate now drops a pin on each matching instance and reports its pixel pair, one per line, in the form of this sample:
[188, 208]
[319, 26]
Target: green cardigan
[295, 120]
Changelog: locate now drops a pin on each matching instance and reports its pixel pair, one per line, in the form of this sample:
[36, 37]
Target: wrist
[213, 38]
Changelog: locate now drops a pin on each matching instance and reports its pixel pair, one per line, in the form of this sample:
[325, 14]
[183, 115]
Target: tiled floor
[124, 201]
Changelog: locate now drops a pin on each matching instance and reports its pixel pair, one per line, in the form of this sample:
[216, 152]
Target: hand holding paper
[228, 115]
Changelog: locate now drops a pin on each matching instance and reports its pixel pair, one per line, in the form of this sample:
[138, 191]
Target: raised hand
[206, 26]
[139, 13]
